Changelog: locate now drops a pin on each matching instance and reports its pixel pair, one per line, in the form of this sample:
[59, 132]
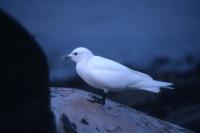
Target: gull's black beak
[66, 57]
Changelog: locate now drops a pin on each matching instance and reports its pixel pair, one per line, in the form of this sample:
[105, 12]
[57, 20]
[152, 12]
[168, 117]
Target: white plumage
[109, 75]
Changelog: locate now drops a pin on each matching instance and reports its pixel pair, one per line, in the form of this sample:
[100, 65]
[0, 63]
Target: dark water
[134, 32]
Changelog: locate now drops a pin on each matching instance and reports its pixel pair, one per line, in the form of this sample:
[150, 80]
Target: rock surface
[74, 113]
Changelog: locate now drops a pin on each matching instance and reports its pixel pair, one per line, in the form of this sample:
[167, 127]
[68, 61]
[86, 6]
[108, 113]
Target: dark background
[161, 38]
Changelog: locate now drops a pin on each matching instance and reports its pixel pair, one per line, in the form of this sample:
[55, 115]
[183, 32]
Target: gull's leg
[105, 93]
[98, 99]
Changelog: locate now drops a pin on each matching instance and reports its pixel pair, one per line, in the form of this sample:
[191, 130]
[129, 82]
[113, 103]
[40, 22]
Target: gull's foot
[96, 99]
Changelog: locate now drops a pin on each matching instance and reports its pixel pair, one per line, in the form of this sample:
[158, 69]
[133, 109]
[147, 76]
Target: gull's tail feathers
[152, 85]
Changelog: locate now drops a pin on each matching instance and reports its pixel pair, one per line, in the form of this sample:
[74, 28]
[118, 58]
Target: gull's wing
[109, 79]
[104, 64]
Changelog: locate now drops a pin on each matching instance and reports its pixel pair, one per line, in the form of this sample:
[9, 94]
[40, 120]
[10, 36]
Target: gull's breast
[84, 72]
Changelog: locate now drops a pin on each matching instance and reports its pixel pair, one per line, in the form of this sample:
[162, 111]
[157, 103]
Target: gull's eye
[75, 53]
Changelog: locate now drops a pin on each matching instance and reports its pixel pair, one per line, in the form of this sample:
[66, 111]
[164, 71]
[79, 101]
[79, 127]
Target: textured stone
[87, 117]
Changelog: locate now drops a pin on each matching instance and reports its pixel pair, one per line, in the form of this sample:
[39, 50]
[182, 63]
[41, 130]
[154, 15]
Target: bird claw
[94, 96]
[96, 99]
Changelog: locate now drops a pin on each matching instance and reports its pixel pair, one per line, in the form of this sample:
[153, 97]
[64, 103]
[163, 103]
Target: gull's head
[79, 54]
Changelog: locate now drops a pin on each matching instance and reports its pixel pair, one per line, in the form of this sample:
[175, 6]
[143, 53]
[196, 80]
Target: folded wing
[109, 65]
